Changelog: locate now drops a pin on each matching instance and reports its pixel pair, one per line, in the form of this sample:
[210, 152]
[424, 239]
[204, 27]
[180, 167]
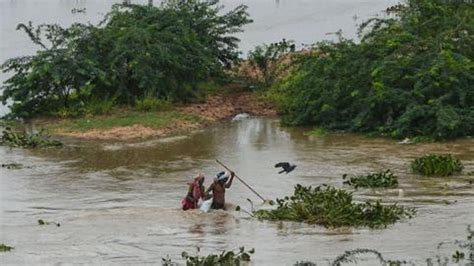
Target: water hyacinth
[437, 165]
[225, 258]
[27, 140]
[384, 179]
[333, 207]
[5, 248]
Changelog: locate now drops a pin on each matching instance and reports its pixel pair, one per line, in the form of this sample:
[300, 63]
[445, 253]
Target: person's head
[222, 177]
[200, 178]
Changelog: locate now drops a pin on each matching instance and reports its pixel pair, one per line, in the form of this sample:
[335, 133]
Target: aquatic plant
[226, 258]
[437, 165]
[12, 165]
[463, 255]
[317, 132]
[401, 79]
[43, 222]
[5, 248]
[27, 140]
[304, 263]
[333, 207]
[351, 256]
[385, 179]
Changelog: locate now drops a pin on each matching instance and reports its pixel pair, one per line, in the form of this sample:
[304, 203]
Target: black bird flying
[287, 167]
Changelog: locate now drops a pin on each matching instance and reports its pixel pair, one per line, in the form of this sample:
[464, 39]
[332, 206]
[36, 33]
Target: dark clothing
[217, 206]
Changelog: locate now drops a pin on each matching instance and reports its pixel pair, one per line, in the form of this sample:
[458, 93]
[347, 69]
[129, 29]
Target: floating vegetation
[43, 222]
[5, 248]
[224, 259]
[351, 256]
[12, 165]
[385, 179]
[437, 165]
[26, 140]
[332, 207]
[305, 263]
[318, 132]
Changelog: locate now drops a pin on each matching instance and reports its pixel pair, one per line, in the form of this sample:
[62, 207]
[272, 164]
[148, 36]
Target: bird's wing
[284, 165]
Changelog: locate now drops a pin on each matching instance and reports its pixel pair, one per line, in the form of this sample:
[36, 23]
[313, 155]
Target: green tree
[410, 75]
[135, 52]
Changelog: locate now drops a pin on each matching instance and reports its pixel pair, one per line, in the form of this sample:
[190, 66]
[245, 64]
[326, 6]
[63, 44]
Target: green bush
[410, 75]
[385, 179]
[96, 106]
[152, 104]
[164, 51]
[332, 207]
[268, 61]
[437, 165]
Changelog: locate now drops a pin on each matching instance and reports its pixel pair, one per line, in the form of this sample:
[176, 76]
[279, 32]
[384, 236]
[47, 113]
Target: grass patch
[332, 207]
[385, 179]
[154, 120]
[318, 132]
[437, 165]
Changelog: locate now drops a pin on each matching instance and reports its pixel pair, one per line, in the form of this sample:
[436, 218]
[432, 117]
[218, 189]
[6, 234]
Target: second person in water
[222, 181]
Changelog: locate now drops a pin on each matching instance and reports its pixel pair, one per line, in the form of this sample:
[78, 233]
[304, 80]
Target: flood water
[118, 203]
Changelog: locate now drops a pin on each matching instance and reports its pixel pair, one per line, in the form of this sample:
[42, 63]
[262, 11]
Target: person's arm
[209, 189]
[190, 193]
[229, 183]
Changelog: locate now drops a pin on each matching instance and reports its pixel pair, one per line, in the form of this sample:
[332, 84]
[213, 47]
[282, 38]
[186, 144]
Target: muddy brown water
[118, 203]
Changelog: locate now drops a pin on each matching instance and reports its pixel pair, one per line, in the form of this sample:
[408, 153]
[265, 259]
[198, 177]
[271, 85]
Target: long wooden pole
[241, 180]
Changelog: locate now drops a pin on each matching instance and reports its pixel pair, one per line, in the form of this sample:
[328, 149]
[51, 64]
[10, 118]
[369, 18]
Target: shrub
[164, 51]
[437, 165]
[332, 207]
[268, 62]
[97, 106]
[27, 140]
[152, 104]
[403, 79]
[385, 179]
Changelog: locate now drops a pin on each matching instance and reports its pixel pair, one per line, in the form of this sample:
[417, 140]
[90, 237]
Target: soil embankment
[127, 125]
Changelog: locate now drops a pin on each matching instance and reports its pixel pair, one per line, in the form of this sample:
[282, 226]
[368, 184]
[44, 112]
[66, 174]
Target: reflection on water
[119, 202]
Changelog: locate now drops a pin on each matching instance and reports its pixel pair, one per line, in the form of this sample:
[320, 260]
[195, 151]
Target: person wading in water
[195, 192]
[218, 187]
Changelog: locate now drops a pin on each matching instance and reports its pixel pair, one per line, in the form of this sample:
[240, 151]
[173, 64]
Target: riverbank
[128, 124]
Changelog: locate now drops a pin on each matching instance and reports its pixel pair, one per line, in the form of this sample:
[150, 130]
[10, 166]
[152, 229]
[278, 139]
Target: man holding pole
[218, 187]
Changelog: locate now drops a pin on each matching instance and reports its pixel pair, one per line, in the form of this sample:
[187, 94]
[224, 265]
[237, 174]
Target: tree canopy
[135, 52]
[412, 74]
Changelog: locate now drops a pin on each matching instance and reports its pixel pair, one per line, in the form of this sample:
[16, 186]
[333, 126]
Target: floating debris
[240, 117]
[12, 165]
[42, 222]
